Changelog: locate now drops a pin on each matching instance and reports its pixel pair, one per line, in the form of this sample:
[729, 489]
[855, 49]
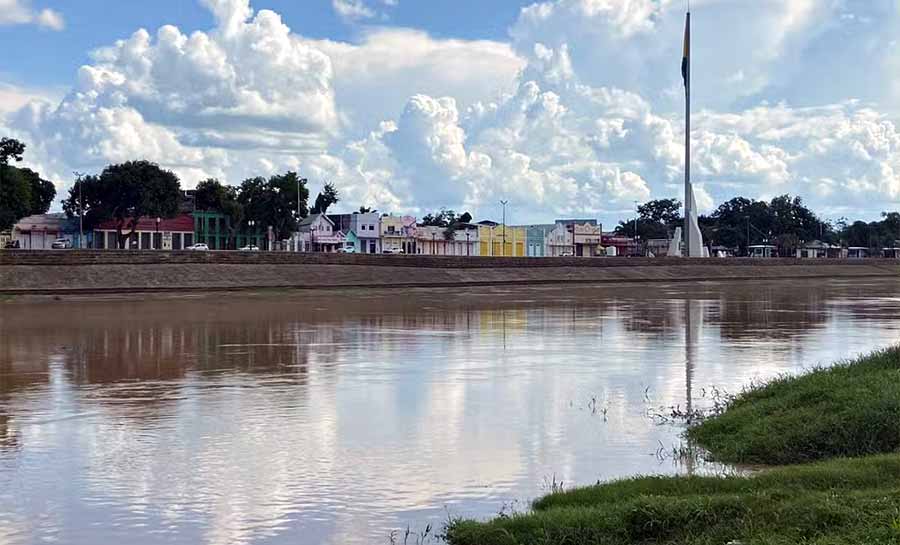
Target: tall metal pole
[80, 216]
[748, 236]
[636, 225]
[503, 252]
[688, 197]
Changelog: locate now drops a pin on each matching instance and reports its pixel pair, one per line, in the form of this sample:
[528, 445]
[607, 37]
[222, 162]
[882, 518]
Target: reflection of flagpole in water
[693, 320]
[504, 329]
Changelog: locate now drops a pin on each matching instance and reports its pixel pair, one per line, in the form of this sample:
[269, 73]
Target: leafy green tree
[327, 198]
[42, 191]
[366, 210]
[22, 191]
[213, 196]
[274, 202]
[125, 193]
[15, 197]
[656, 219]
[11, 148]
[445, 218]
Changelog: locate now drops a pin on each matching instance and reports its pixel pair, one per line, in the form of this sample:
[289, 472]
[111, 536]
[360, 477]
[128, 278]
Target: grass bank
[851, 409]
[844, 419]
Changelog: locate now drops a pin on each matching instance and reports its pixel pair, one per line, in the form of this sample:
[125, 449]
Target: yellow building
[501, 241]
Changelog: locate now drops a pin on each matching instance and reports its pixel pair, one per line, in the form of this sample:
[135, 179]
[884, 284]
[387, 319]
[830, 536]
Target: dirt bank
[74, 272]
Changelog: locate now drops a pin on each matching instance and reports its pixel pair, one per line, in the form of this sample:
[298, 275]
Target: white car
[61, 244]
[250, 248]
[199, 247]
[346, 250]
[392, 251]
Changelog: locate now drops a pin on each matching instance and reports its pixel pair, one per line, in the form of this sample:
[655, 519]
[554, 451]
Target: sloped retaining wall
[25, 272]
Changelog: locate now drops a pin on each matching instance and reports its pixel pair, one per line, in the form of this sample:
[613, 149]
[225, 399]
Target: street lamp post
[433, 244]
[636, 215]
[748, 236]
[157, 241]
[504, 203]
[468, 247]
[299, 181]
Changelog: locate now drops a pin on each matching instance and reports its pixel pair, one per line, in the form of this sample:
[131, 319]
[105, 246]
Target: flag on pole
[686, 58]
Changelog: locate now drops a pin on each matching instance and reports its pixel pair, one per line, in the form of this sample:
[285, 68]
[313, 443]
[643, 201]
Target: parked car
[567, 254]
[250, 248]
[346, 250]
[13, 245]
[393, 251]
[61, 244]
[199, 247]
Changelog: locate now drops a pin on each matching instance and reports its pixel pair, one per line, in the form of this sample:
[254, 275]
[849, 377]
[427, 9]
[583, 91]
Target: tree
[444, 218]
[125, 193]
[10, 149]
[15, 197]
[366, 210]
[326, 198]
[22, 191]
[273, 202]
[42, 191]
[213, 196]
[664, 211]
[465, 218]
[656, 219]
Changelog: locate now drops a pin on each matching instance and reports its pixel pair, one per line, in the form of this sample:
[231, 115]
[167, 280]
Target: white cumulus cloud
[580, 113]
[20, 12]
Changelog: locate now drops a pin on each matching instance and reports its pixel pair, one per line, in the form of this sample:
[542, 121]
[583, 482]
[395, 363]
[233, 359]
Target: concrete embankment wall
[61, 272]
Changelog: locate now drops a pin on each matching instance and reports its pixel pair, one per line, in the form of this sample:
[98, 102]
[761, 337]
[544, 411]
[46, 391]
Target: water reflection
[334, 418]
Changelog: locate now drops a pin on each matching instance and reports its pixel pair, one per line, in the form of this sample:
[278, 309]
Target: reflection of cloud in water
[264, 421]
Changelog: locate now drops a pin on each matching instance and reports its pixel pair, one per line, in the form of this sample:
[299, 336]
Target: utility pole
[748, 236]
[299, 181]
[504, 203]
[636, 214]
[79, 179]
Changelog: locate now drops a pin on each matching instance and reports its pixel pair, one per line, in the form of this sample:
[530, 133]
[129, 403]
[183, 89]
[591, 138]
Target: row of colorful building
[374, 233]
[369, 233]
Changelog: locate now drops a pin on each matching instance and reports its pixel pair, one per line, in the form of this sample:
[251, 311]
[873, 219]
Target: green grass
[844, 501]
[852, 409]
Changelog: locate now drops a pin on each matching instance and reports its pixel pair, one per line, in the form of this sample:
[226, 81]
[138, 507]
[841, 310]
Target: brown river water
[338, 417]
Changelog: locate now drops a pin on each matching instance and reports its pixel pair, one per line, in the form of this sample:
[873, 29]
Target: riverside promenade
[86, 272]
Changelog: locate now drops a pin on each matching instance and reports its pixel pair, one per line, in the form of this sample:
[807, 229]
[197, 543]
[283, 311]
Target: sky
[565, 108]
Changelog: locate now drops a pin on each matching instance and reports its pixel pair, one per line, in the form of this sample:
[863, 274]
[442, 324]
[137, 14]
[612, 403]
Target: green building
[214, 229]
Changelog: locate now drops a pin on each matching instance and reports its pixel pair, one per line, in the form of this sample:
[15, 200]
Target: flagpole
[688, 198]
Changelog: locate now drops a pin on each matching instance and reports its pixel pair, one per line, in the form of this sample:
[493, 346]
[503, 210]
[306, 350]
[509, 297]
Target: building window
[176, 241]
[188, 239]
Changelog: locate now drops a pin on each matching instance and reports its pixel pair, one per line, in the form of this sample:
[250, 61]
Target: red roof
[179, 224]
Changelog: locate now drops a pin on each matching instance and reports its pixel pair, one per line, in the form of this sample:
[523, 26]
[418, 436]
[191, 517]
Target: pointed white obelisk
[693, 239]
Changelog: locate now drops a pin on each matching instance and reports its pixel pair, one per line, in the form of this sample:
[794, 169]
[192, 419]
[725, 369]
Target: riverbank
[849, 410]
[85, 272]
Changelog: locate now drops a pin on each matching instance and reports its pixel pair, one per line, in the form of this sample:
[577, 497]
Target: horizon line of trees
[784, 222]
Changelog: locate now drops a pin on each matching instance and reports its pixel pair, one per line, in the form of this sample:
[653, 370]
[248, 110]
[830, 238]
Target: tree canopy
[22, 191]
[327, 198]
[656, 219]
[273, 202]
[125, 193]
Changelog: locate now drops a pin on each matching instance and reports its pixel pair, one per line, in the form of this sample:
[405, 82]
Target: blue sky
[566, 108]
[36, 56]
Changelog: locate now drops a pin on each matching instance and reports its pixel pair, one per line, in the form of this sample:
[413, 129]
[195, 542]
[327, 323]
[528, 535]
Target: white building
[431, 240]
